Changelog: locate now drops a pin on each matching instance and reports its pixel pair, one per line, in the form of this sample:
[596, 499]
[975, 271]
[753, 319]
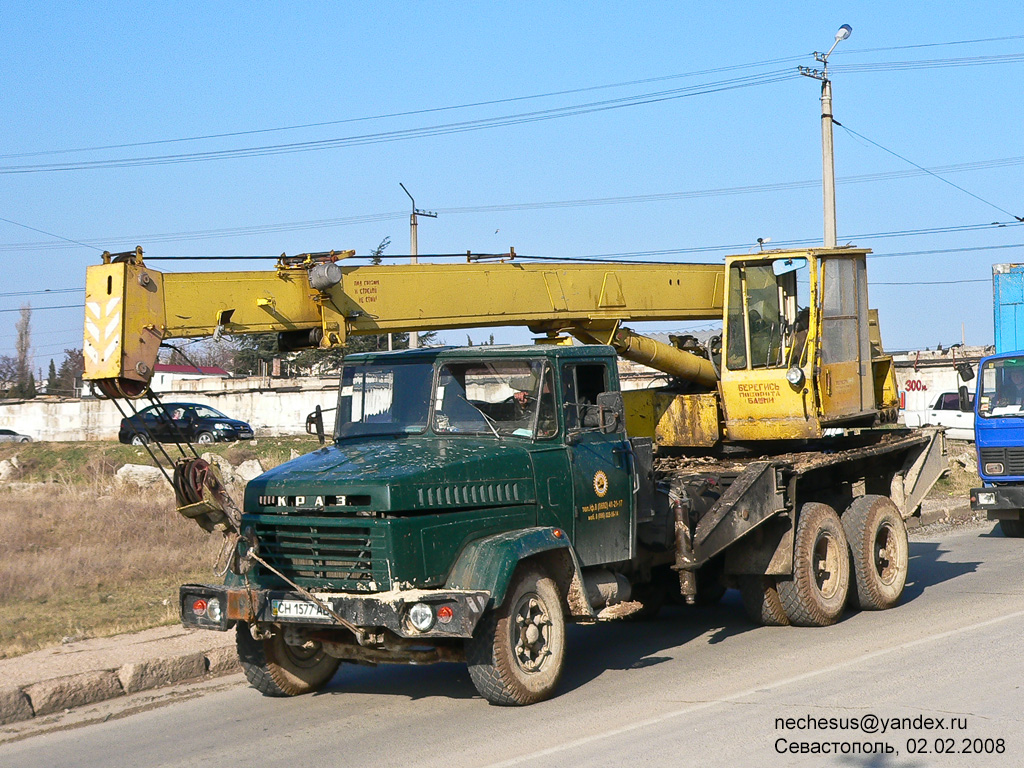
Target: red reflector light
[445, 613]
[558, 533]
[199, 606]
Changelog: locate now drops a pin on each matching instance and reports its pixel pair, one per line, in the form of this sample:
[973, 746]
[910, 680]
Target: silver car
[10, 436]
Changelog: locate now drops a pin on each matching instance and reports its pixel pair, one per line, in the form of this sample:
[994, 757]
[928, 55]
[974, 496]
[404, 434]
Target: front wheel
[275, 668]
[879, 550]
[205, 438]
[516, 654]
[816, 594]
[1012, 529]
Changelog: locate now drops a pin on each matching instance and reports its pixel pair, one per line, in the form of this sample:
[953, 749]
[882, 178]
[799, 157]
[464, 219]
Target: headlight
[795, 376]
[994, 468]
[986, 498]
[220, 425]
[422, 616]
[213, 609]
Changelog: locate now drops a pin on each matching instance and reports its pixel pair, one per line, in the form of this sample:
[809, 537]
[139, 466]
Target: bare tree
[25, 381]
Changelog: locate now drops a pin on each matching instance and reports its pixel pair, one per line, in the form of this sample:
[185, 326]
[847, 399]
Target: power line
[413, 133]
[40, 292]
[407, 113]
[492, 102]
[930, 173]
[209, 234]
[854, 51]
[48, 234]
[36, 309]
[890, 66]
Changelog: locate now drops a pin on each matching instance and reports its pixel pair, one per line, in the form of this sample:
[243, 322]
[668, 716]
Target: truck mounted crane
[472, 501]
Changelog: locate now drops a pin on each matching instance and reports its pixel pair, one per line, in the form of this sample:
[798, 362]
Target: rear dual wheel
[816, 594]
[879, 551]
[761, 601]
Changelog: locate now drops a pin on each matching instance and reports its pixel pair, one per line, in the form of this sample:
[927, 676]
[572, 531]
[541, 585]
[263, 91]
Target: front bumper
[462, 609]
[999, 502]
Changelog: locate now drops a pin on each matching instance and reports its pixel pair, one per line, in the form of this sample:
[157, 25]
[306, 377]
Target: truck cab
[461, 486]
[999, 437]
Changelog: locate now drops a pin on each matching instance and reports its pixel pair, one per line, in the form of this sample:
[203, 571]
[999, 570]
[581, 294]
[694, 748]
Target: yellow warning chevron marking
[102, 329]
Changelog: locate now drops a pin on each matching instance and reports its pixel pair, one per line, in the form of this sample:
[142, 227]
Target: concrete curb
[68, 691]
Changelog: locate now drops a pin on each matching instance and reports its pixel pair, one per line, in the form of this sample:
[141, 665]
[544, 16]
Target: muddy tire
[1012, 529]
[879, 552]
[816, 595]
[516, 654]
[275, 668]
[761, 601]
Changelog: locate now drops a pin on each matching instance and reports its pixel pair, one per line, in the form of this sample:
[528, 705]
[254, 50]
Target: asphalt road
[697, 687]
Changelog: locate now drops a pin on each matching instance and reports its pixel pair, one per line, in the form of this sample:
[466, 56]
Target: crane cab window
[765, 327]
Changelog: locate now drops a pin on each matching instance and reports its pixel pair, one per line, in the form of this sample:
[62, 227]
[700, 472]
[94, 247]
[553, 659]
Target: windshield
[765, 326]
[500, 397]
[384, 399]
[1001, 392]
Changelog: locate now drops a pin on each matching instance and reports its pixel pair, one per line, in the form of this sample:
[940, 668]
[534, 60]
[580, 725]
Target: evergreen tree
[51, 379]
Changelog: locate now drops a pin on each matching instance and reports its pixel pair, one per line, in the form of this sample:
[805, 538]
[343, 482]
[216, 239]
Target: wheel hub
[826, 565]
[532, 625]
[886, 555]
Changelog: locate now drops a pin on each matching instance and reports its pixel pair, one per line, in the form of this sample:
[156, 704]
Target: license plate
[297, 609]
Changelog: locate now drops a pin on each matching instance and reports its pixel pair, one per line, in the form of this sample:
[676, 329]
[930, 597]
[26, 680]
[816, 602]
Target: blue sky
[100, 74]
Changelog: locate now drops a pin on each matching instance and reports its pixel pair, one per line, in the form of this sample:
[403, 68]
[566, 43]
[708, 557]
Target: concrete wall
[272, 406]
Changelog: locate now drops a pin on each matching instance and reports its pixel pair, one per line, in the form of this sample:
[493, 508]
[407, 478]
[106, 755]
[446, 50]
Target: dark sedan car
[180, 422]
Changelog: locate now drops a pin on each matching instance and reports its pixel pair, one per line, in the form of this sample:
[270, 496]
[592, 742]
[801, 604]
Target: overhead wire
[492, 102]
[408, 113]
[930, 173]
[411, 133]
[209, 234]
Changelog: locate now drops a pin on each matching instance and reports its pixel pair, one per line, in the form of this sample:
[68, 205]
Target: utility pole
[828, 171]
[414, 337]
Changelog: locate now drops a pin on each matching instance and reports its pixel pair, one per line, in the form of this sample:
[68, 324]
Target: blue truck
[999, 407]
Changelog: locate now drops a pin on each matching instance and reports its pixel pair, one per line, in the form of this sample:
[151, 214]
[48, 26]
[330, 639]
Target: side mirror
[612, 412]
[965, 399]
[315, 424]
[965, 370]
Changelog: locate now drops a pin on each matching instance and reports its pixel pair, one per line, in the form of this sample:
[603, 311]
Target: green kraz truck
[472, 502]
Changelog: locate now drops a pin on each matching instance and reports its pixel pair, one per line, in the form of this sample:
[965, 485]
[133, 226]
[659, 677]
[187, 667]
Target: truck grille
[1012, 459]
[323, 554]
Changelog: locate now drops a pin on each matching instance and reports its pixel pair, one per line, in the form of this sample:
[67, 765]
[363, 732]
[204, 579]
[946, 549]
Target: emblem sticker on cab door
[600, 483]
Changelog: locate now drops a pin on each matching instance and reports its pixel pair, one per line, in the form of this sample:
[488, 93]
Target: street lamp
[828, 173]
[414, 337]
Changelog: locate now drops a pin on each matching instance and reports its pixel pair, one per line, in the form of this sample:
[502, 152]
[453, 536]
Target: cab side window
[581, 384]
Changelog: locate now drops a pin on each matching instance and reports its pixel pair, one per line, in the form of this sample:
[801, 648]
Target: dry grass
[81, 556]
[92, 560]
[960, 479]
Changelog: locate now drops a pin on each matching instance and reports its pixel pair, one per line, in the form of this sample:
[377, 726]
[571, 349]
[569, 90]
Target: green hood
[403, 474]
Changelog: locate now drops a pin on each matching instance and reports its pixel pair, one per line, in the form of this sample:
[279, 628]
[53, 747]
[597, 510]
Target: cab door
[766, 365]
[845, 385]
[601, 469]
